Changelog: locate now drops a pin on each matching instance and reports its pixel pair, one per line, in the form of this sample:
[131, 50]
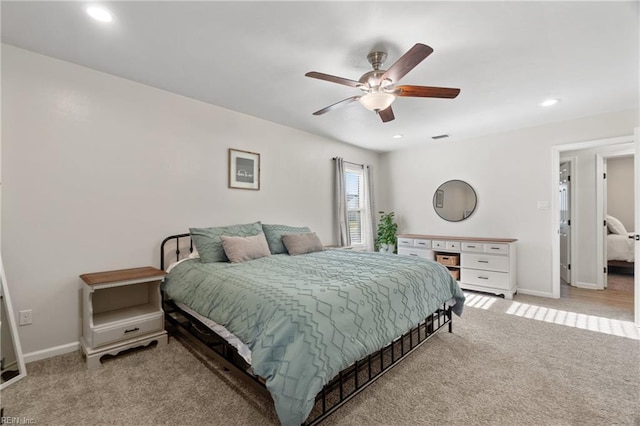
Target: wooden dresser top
[450, 238]
[98, 278]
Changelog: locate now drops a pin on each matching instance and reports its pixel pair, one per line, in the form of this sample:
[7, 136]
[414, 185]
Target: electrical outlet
[25, 317]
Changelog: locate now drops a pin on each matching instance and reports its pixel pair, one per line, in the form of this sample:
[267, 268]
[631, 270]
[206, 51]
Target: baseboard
[50, 352]
[535, 293]
[589, 286]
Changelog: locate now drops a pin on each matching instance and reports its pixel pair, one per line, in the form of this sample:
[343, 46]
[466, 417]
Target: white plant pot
[387, 248]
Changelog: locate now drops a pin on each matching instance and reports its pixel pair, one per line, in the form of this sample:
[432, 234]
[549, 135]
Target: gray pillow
[274, 234]
[302, 243]
[209, 245]
[241, 249]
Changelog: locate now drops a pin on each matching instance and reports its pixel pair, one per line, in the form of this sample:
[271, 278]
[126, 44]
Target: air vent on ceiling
[439, 137]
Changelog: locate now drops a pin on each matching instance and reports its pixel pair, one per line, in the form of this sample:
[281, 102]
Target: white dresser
[481, 264]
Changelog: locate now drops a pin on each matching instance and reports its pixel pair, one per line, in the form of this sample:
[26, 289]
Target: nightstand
[121, 310]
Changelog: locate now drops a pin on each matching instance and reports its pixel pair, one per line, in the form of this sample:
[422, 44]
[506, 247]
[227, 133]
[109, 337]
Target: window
[354, 183]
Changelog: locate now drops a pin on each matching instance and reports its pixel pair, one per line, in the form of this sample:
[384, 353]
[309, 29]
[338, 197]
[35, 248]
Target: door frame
[573, 172]
[555, 212]
[601, 205]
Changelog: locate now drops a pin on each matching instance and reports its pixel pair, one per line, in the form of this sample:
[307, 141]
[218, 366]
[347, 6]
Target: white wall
[510, 172]
[97, 170]
[620, 190]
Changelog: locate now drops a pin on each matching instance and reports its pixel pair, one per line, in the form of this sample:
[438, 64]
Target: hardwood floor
[609, 297]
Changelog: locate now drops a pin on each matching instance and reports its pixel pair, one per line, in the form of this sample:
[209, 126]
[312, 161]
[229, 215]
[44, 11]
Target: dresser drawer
[453, 245]
[496, 248]
[438, 244]
[124, 330]
[485, 261]
[473, 247]
[425, 244]
[405, 242]
[415, 252]
[499, 280]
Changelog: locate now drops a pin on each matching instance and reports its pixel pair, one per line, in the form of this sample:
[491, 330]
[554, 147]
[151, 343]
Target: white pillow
[615, 226]
[194, 254]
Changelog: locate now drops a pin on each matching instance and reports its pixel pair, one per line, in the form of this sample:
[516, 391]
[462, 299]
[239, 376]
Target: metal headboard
[177, 249]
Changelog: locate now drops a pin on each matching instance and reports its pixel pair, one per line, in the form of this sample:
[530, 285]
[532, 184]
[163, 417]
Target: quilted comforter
[306, 318]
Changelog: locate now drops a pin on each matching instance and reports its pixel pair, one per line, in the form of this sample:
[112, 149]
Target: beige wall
[97, 170]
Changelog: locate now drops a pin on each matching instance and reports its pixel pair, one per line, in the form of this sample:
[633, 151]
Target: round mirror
[454, 200]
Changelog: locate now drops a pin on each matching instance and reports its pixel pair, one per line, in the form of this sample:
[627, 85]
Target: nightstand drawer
[122, 330]
[499, 280]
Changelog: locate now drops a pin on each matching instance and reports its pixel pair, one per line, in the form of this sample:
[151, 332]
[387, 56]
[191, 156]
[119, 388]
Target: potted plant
[387, 228]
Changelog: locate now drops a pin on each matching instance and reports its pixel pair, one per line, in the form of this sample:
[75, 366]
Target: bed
[318, 327]
[620, 245]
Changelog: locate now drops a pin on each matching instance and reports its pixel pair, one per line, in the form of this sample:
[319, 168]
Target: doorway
[564, 192]
[618, 209]
[595, 263]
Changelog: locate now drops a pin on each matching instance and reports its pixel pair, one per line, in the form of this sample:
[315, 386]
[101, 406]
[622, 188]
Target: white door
[636, 291]
[565, 222]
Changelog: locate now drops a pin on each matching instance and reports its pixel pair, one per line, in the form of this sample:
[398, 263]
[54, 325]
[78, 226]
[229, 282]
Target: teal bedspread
[306, 318]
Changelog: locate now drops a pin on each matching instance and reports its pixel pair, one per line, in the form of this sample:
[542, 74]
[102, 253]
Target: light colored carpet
[502, 365]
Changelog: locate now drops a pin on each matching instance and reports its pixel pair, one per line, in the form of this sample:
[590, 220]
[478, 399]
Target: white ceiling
[251, 57]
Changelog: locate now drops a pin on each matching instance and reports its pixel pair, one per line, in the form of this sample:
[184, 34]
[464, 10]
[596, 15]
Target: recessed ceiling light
[99, 14]
[549, 102]
[398, 136]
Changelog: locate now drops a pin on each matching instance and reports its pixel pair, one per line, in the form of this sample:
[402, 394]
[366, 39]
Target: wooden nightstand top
[133, 274]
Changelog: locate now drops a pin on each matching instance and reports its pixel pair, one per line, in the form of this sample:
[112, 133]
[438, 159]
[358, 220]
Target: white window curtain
[354, 205]
[340, 202]
[369, 220]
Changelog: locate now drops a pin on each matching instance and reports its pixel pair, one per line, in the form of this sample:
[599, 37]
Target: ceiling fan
[380, 86]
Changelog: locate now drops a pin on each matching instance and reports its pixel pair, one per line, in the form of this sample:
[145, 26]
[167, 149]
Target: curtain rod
[350, 162]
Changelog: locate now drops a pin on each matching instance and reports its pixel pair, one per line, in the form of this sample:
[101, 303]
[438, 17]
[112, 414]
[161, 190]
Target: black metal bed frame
[347, 384]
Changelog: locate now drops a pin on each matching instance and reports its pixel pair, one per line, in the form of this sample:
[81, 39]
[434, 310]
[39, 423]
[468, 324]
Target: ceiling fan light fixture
[377, 101]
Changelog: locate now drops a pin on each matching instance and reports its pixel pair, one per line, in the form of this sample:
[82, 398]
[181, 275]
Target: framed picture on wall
[244, 169]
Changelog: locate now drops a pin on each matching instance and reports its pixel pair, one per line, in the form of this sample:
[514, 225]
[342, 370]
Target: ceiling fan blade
[407, 62]
[336, 105]
[386, 114]
[333, 79]
[427, 92]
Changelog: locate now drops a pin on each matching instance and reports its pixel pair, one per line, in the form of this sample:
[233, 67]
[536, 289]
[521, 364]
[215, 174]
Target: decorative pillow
[307, 242]
[209, 245]
[615, 226]
[274, 234]
[241, 249]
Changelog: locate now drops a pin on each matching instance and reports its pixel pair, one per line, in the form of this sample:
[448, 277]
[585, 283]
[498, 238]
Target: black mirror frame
[440, 193]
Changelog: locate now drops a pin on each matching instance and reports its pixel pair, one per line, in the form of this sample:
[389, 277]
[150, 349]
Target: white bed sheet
[243, 349]
[620, 247]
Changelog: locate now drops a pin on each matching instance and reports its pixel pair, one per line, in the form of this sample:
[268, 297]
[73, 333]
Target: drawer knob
[483, 278]
[483, 261]
[131, 330]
